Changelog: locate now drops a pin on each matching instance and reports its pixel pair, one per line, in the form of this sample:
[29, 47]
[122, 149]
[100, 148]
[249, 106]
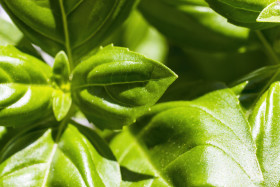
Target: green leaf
[75, 26]
[10, 35]
[61, 104]
[205, 142]
[271, 13]
[43, 158]
[137, 35]
[61, 71]
[115, 86]
[62, 100]
[266, 133]
[25, 92]
[192, 24]
[247, 12]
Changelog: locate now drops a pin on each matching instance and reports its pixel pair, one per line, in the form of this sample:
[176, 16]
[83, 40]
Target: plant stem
[276, 60]
[66, 35]
[269, 49]
[64, 123]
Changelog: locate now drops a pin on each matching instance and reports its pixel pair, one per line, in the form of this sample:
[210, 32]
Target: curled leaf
[115, 86]
[25, 91]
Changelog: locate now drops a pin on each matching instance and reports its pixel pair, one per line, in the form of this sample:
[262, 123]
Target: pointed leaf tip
[271, 13]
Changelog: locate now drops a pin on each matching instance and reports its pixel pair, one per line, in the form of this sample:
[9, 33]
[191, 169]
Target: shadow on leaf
[131, 176]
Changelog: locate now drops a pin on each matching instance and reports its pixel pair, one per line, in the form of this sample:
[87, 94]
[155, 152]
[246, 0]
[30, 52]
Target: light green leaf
[61, 104]
[205, 142]
[75, 26]
[271, 13]
[266, 133]
[43, 158]
[192, 24]
[115, 86]
[61, 71]
[246, 12]
[61, 79]
[25, 92]
[10, 35]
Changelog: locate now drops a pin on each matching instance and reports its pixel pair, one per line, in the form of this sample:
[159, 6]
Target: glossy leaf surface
[205, 142]
[75, 26]
[40, 158]
[115, 86]
[266, 133]
[25, 92]
[193, 24]
[248, 12]
[271, 13]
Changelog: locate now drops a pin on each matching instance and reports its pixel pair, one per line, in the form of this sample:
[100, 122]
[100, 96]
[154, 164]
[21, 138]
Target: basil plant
[87, 115]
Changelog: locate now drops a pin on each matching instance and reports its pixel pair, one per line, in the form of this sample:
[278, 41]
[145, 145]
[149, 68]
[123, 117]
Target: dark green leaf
[193, 24]
[3, 136]
[25, 91]
[115, 86]
[75, 26]
[6, 134]
[40, 158]
[246, 12]
[255, 82]
[205, 142]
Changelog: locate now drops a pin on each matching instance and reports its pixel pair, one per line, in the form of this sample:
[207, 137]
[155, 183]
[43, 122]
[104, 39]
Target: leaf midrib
[66, 33]
[49, 165]
[146, 155]
[99, 27]
[117, 83]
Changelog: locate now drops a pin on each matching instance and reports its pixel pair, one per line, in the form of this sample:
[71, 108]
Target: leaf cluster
[85, 116]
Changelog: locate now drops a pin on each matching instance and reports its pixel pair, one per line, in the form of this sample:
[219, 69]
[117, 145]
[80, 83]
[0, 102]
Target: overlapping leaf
[193, 24]
[46, 158]
[205, 142]
[75, 26]
[25, 92]
[248, 12]
[115, 86]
